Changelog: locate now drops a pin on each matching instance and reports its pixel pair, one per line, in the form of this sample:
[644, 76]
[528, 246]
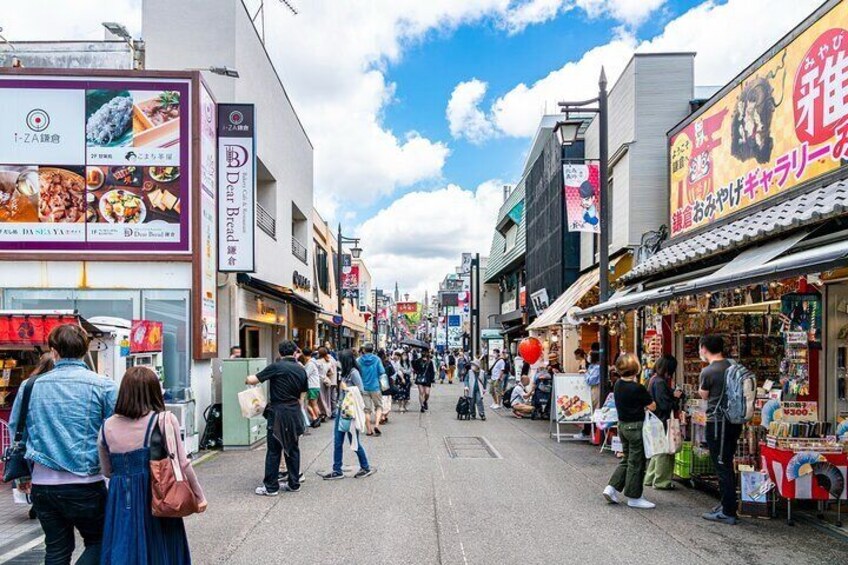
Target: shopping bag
[384, 383]
[348, 407]
[674, 436]
[653, 436]
[252, 402]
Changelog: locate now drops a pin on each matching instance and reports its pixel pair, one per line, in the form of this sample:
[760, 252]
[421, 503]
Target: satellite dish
[571, 318]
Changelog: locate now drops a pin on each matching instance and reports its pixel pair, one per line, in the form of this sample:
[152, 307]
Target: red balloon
[530, 349]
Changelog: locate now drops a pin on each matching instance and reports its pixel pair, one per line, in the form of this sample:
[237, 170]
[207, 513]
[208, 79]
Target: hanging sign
[582, 197]
[236, 188]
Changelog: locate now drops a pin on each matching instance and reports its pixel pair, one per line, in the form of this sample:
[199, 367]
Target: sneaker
[483, 418]
[331, 475]
[640, 503]
[377, 432]
[720, 516]
[287, 488]
[494, 406]
[423, 410]
[580, 436]
[362, 473]
[283, 477]
[612, 495]
[316, 423]
[262, 491]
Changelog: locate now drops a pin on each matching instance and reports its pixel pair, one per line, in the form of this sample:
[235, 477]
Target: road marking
[9, 555]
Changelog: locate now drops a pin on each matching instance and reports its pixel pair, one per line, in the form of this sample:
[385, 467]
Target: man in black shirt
[721, 435]
[287, 383]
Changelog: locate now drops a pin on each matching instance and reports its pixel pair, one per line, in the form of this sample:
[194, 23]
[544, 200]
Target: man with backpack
[724, 386]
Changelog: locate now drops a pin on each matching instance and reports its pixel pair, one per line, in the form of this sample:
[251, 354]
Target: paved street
[539, 502]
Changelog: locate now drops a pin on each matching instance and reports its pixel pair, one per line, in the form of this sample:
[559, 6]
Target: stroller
[542, 398]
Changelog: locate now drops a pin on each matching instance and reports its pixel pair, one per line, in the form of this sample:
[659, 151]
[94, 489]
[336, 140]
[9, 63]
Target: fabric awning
[277, 291]
[748, 267]
[553, 314]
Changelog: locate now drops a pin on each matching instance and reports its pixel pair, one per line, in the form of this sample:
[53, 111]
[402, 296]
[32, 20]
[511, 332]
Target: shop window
[171, 307]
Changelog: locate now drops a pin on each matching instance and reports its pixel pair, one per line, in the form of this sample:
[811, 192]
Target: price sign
[797, 411]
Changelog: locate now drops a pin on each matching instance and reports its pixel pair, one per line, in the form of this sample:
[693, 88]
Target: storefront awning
[277, 291]
[553, 314]
[751, 266]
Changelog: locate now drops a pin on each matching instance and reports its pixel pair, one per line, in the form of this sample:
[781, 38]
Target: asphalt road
[537, 501]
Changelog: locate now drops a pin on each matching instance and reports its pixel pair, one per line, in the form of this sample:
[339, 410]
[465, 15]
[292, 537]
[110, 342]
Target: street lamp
[136, 45]
[224, 71]
[566, 133]
[355, 252]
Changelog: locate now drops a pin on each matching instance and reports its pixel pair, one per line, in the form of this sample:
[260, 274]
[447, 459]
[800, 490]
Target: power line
[289, 5]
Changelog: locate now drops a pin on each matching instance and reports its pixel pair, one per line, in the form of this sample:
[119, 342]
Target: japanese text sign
[236, 188]
[407, 307]
[582, 197]
[797, 411]
[784, 124]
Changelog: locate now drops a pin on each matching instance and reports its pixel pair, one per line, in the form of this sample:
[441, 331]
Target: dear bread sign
[236, 188]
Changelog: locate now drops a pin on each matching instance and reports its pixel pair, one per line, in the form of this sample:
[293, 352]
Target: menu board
[94, 165]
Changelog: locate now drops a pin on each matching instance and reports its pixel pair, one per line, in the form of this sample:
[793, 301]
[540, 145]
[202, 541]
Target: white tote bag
[252, 401]
[674, 435]
[653, 436]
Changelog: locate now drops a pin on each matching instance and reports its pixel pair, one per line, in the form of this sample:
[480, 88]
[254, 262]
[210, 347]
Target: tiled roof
[498, 258]
[819, 204]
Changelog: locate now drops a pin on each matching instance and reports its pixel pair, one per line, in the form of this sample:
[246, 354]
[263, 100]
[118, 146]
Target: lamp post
[566, 132]
[355, 253]
[136, 45]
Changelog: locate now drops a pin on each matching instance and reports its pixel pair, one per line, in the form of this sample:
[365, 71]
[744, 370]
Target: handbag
[252, 401]
[14, 458]
[675, 436]
[171, 493]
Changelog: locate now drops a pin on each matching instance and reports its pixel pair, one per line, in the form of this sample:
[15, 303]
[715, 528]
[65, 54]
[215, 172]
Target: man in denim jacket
[67, 408]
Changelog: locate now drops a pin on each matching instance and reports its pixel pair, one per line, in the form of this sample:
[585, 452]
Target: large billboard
[782, 125]
[91, 164]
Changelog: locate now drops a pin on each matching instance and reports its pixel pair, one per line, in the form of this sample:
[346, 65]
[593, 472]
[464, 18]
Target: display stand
[572, 399]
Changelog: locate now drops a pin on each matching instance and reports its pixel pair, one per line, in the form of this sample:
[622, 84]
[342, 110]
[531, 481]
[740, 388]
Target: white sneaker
[611, 495]
[580, 436]
[494, 406]
[640, 503]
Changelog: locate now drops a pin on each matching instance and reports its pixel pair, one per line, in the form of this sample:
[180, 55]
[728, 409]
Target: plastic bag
[674, 436]
[653, 436]
[252, 402]
[384, 383]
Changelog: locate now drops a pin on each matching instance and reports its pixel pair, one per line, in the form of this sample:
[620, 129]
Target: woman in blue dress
[132, 535]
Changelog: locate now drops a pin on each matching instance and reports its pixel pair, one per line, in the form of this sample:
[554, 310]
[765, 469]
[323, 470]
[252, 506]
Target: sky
[420, 111]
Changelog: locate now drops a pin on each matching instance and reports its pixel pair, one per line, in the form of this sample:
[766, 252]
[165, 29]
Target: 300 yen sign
[797, 411]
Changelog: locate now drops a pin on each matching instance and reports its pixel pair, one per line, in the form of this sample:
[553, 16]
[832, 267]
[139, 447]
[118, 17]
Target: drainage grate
[471, 447]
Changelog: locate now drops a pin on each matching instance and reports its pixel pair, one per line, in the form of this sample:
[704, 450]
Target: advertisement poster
[583, 197]
[802, 313]
[784, 124]
[350, 282]
[755, 486]
[145, 336]
[94, 165]
[208, 226]
[454, 331]
[573, 399]
[236, 188]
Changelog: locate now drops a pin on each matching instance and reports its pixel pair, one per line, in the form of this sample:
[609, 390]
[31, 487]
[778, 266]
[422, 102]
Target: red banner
[30, 331]
[407, 307]
[145, 336]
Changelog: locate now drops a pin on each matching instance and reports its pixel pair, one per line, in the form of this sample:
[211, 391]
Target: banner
[582, 197]
[407, 307]
[206, 301]
[350, 282]
[782, 125]
[236, 188]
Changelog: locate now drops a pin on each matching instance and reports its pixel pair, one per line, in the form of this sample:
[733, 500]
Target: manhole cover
[471, 447]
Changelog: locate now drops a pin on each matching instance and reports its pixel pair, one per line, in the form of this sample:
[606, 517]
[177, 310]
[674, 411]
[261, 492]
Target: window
[322, 269]
[511, 237]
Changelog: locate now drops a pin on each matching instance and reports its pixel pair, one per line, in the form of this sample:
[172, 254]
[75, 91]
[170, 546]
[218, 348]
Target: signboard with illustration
[145, 336]
[573, 399]
[208, 296]
[350, 282]
[582, 197]
[94, 165]
[782, 125]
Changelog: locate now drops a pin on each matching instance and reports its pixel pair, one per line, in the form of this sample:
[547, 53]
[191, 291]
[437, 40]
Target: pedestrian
[451, 366]
[132, 535]
[313, 380]
[475, 387]
[404, 383]
[349, 378]
[425, 375]
[327, 372]
[443, 369]
[592, 376]
[520, 398]
[661, 466]
[288, 382]
[496, 379]
[580, 357]
[371, 369]
[235, 352]
[631, 401]
[722, 436]
[66, 408]
[390, 372]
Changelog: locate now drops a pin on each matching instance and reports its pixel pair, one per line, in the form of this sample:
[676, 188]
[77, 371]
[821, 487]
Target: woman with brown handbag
[132, 441]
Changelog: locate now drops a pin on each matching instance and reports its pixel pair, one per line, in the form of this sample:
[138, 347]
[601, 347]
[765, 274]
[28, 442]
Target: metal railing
[299, 250]
[266, 221]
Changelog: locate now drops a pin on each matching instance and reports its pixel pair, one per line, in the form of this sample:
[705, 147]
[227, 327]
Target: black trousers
[274, 454]
[722, 458]
[60, 509]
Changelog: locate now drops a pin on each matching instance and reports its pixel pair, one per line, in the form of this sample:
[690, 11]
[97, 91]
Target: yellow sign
[784, 124]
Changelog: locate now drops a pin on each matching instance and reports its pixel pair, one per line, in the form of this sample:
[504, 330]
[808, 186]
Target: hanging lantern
[530, 349]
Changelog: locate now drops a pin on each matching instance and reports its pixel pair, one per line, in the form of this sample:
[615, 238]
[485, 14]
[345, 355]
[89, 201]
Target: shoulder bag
[15, 464]
[171, 494]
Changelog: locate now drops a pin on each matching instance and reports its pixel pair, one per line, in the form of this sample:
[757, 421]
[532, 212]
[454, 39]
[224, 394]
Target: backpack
[463, 408]
[736, 403]
[507, 397]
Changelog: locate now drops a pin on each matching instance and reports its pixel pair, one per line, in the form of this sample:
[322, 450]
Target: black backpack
[463, 408]
[507, 397]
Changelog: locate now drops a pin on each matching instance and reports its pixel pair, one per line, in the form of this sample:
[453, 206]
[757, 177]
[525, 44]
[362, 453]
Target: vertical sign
[582, 197]
[208, 227]
[237, 193]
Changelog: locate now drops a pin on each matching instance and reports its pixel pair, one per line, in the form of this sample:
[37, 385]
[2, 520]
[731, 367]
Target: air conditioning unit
[185, 413]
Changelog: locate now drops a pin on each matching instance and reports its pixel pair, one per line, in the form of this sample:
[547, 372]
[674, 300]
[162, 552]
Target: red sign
[407, 307]
[145, 336]
[30, 331]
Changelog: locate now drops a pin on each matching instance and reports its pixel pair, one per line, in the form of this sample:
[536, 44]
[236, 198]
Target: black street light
[566, 133]
[355, 253]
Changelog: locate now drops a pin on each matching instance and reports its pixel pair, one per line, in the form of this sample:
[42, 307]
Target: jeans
[274, 455]
[338, 445]
[724, 464]
[60, 509]
[630, 473]
[477, 404]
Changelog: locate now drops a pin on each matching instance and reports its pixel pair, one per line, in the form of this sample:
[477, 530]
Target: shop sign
[573, 399]
[236, 188]
[583, 197]
[30, 330]
[301, 282]
[797, 411]
[453, 285]
[407, 307]
[207, 299]
[539, 300]
[145, 336]
[95, 165]
[784, 124]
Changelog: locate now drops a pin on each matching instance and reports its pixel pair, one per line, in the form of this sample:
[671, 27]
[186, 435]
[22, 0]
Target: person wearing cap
[474, 389]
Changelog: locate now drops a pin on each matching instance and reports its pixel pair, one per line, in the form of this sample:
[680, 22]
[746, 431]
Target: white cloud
[420, 237]
[531, 12]
[629, 12]
[464, 115]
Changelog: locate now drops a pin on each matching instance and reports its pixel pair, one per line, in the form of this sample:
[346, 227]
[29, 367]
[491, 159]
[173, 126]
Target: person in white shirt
[313, 378]
[520, 399]
[496, 380]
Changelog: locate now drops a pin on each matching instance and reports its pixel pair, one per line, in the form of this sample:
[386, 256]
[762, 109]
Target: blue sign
[455, 320]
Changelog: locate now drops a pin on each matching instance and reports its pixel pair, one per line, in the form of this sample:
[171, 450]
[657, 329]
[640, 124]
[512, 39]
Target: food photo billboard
[783, 124]
[97, 163]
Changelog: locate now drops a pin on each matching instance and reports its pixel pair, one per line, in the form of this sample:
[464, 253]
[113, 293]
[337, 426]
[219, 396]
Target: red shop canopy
[30, 328]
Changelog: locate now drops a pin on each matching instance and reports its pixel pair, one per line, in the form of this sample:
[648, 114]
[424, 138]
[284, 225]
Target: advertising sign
[94, 165]
[539, 300]
[350, 282]
[782, 125]
[573, 399]
[454, 331]
[797, 411]
[449, 299]
[145, 336]
[208, 295]
[465, 268]
[407, 307]
[583, 197]
[453, 285]
[237, 188]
